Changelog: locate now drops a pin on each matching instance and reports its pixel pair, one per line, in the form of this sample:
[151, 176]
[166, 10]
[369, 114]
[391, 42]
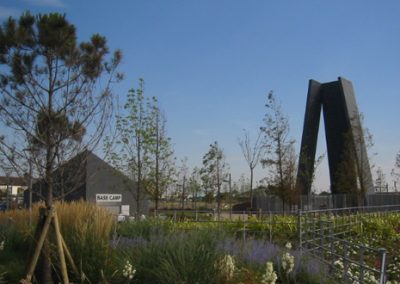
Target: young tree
[130, 151]
[252, 154]
[280, 157]
[182, 183]
[161, 155]
[51, 97]
[194, 185]
[214, 170]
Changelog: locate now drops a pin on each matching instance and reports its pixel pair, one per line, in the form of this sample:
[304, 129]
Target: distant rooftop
[4, 180]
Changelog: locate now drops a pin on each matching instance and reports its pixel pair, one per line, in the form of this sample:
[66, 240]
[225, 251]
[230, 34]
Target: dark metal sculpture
[343, 132]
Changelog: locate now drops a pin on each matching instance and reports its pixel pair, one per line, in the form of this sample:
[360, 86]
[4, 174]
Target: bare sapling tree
[56, 96]
[252, 152]
[396, 172]
[380, 181]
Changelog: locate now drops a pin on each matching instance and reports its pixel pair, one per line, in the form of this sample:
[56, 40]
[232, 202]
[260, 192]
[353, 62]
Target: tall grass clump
[85, 227]
[87, 230]
[186, 257]
[16, 239]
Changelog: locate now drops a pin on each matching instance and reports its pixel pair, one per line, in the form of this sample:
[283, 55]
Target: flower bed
[161, 251]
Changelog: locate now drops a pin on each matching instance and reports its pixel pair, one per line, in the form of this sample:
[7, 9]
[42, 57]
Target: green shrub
[175, 258]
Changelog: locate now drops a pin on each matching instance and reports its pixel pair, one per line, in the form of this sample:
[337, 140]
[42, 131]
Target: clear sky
[212, 62]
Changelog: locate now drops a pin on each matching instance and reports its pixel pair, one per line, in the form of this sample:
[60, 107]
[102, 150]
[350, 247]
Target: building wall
[14, 189]
[101, 178]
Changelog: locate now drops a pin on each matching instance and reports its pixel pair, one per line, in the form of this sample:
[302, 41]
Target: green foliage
[12, 254]
[140, 148]
[163, 251]
[146, 228]
[50, 96]
[214, 171]
[178, 258]
[280, 154]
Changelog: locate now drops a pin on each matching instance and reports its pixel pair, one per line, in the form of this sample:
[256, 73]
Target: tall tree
[214, 170]
[279, 147]
[161, 155]
[51, 96]
[252, 154]
[130, 149]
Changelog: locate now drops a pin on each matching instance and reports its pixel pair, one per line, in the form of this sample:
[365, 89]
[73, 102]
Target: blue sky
[211, 63]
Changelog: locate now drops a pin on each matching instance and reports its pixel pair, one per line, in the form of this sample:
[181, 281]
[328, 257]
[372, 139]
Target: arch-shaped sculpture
[343, 131]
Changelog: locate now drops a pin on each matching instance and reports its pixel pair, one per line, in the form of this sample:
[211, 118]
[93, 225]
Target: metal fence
[329, 236]
[320, 202]
[268, 226]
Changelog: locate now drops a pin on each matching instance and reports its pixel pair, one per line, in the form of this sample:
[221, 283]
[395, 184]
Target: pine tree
[51, 99]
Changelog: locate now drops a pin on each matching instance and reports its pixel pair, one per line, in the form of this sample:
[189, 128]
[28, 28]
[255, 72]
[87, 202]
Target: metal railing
[248, 224]
[329, 236]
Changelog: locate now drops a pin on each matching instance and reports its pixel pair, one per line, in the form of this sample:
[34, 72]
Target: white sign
[106, 197]
[125, 210]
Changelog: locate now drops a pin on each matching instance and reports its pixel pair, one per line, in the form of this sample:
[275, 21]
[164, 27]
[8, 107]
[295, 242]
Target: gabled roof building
[88, 177]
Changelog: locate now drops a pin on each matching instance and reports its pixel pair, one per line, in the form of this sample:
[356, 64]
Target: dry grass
[86, 229]
[83, 219]
[79, 217]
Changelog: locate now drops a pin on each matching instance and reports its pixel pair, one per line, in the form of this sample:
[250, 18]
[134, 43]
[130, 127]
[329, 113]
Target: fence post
[244, 230]
[382, 276]
[345, 263]
[321, 236]
[361, 252]
[331, 238]
[270, 227]
[299, 228]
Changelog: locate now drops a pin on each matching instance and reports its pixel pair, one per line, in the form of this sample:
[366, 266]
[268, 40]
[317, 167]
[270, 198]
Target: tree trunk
[251, 188]
[139, 176]
[45, 265]
[45, 271]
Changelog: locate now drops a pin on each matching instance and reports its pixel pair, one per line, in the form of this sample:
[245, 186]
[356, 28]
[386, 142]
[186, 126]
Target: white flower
[288, 246]
[128, 271]
[226, 266]
[287, 262]
[269, 277]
